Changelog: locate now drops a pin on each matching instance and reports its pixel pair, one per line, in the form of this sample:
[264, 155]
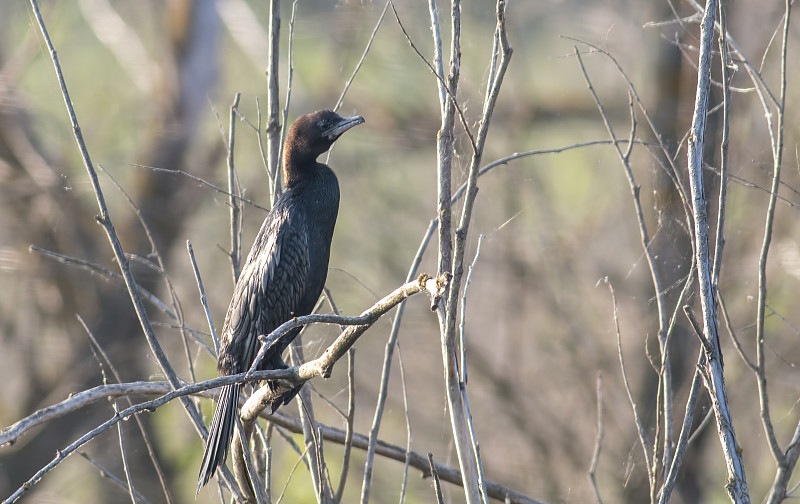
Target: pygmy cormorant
[284, 273]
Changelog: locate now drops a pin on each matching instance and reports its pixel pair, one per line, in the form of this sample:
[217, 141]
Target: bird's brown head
[311, 135]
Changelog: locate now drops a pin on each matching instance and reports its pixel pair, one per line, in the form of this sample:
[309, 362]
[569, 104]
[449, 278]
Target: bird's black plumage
[285, 271]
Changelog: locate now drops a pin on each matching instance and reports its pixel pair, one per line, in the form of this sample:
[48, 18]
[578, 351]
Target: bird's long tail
[219, 433]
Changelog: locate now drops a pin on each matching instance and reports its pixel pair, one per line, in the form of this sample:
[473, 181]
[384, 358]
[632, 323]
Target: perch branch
[323, 365]
[100, 393]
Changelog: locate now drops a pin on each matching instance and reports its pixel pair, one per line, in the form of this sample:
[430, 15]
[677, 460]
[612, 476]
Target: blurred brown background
[152, 83]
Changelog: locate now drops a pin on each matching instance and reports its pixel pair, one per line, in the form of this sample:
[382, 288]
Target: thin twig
[440, 76]
[323, 365]
[291, 473]
[698, 330]
[735, 339]
[408, 424]
[272, 181]
[361, 60]
[181, 392]
[461, 328]
[160, 270]
[707, 420]
[755, 75]
[351, 411]
[473, 439]
[203, 182]
[145, 436]
[683, 439]
[289, 77]
[651, 262]
[719, 241]
[107, 474]
[244, 467]
[123, 456]
[236, 221]
[436, 486]
[97, 269]
[433, 10]
[786, 461]
[378, 415]
[203, 299]
[643, 441]
[268, 461]
[598, 440]
[305, 409]
[672, 172]
[777, 157]
[260, 460]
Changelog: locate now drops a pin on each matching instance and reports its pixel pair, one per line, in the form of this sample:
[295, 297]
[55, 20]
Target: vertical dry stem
[273, 109]
[737, 482]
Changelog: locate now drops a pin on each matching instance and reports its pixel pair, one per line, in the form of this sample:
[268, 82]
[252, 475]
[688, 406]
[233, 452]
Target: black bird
[284, 273]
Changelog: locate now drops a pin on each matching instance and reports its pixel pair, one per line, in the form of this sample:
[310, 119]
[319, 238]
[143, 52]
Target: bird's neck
[297, 167]
[306, 175]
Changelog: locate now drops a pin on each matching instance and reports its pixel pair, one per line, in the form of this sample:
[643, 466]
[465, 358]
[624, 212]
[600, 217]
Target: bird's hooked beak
[336, 130]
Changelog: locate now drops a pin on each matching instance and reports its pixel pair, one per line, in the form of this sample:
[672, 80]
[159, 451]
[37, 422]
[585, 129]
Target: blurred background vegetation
[152, 83]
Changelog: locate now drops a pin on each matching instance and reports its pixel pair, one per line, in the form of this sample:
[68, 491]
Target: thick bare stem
[236, 219]
[273, 108]
[737, 482]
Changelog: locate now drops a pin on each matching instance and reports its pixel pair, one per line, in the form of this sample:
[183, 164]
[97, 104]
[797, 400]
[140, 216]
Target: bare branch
[664, 376]
[737, 482]
[289, 78]
[203, 299]
[643, 440]
[719, 241]
[351, 411]
[97, 269]
[323, 365]
[683, 439]
[244, 467]
[104, 392]
[436, 486]
[735, 339]
[598, 440]
[11, 433]
[236, 220]
[273, 126]
[145, 436]
[105, 220]
[107, 474]
[788, 460]
[202, 181]
[408, 424]
[777, 157]
[363, 57]
[124, 458]
[438, 72]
